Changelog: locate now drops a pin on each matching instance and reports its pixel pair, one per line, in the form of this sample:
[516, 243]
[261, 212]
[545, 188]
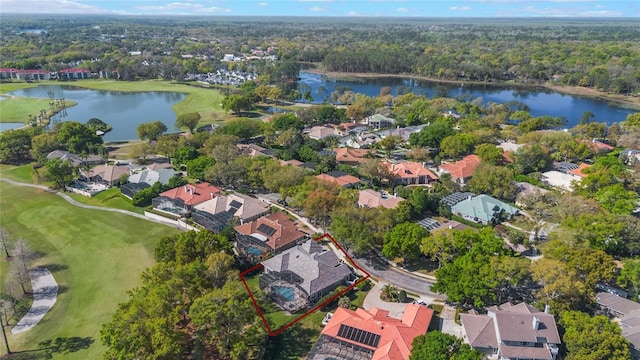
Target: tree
[592, 337]
[197, 167]
[489, 153]
[283, 122]
[389, 143]
[228, 320]
[344, 302]
[433, 134]
[616, 199]
[456, 145]
[531, 158]
[59, 172]
[140, 151]
[436, 345]
[4, 241]
[242, 128]
[78, 138]
[151, 131]
[389, 292]
[43, 144]
[236, 103]
[97, 124]
[404, 240]
[494, 180]
[561, 287]
[188, 120]
[630, 276]
[21, 257]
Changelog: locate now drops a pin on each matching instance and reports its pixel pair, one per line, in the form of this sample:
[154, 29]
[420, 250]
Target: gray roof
[616, 303]
[483, 207]
[514, 324]
[74, 159]
[152, 176]
[239, 205]
[317, 265]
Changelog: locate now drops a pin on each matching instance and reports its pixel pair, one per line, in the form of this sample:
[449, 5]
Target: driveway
[45, 294]
[373, 300]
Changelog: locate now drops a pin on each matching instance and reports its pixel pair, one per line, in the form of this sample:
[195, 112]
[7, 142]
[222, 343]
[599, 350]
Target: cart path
[84, 206]
[45, 294]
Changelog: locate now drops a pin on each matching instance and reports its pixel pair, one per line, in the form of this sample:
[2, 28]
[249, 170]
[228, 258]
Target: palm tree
[389, 292]
[344, 302]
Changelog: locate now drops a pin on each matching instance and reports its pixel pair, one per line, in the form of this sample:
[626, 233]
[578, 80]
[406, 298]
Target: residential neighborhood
[320, 189]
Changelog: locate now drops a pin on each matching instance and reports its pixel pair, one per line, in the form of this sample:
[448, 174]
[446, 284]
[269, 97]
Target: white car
[419, 302]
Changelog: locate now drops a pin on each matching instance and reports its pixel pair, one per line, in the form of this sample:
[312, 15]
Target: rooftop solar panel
[266, 229]
[457, 197]
[235, 204]
[360, 336]
[429, 223]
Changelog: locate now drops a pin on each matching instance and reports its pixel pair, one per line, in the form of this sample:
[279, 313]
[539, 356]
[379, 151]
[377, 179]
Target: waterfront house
[180, 200]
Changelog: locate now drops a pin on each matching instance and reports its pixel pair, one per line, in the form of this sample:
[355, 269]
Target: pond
[541, 101]
[10, 126]
[124, 111]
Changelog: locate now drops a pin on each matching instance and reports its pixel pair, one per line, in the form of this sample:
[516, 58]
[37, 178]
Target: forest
[597, 54]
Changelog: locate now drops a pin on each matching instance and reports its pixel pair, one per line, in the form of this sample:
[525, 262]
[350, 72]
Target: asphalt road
[382, 271]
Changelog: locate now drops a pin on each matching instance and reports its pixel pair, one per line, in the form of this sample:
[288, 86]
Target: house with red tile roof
[578, 171]
[371, 334]
[461, 170]
[74, 74]
[340, 178]
[180, 200]
[598, 146]
[374, 199]
[351, 156]
[277, 231]
[410, 173]
[512, 332]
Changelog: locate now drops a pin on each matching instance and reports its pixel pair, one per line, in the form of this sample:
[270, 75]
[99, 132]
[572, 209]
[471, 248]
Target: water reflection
[541, 101]
[124, 111]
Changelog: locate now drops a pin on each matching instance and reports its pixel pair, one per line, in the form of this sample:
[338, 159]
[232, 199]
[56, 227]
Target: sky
[341, 8]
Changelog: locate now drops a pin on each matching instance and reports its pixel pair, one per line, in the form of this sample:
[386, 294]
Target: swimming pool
[254, 250]
[285, 291]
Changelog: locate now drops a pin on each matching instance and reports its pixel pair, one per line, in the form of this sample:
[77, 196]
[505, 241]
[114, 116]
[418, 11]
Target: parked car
[419, 302]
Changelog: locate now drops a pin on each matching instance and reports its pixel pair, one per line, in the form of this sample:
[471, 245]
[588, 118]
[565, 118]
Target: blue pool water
[285, 291]
[254, 250]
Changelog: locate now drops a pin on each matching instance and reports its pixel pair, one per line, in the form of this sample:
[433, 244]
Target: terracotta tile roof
[409, 169]
[192, 194]
[285, 231]
[350, 155]
[373, 199]
[578, 171]
[462, 169]
[344, 180]
[598, 145]
[396, 335]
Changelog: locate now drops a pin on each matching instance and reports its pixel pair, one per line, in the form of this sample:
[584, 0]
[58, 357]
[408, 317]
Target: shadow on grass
[55, 267]
[65, 345]
[292, 344]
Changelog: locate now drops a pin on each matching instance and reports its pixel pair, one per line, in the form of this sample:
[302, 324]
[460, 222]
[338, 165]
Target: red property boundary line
[283, 328]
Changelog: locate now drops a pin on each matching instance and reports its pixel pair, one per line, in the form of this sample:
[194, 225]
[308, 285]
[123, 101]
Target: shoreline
[626, 101]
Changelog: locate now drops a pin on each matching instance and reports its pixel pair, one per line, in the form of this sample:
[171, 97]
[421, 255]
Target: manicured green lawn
[111, 198]
[95, 256]
[23, 173]
[18, 109]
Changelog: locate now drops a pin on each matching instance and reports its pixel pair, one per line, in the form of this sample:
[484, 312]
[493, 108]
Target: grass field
[17, 109]
[96, 257]
[203, 100]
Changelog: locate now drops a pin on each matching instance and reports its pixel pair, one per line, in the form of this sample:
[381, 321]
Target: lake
[124, 111]
[541, 101]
